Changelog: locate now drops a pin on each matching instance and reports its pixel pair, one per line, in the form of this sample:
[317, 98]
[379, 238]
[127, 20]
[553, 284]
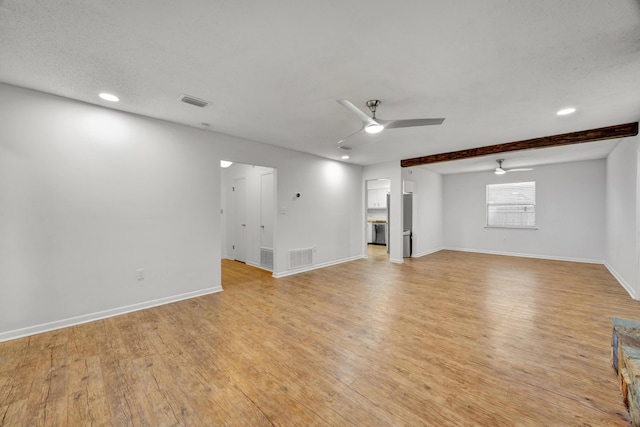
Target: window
[511, 205]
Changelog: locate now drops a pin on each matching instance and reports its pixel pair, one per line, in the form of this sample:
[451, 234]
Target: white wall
[329, 214]
[570, 213]
[427, 202]
[621, 215]
[378, 183]
[325, 216]
[88, 195]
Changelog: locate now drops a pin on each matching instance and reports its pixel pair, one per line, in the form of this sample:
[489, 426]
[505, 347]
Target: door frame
[239, 219]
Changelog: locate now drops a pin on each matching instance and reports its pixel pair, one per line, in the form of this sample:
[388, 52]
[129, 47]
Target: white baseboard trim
[421, 254]
[627, 287]
[396, 260]
[316, 266]
[253, 264]
[522, 255]
[85, 318]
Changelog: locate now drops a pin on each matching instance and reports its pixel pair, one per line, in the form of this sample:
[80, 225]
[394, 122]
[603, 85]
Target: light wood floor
[449, 339]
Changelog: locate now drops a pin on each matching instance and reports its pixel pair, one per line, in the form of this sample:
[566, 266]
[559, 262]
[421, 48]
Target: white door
[266, 206]
[240, 219]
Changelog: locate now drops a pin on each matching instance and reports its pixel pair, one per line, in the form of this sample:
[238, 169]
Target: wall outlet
[140, 274]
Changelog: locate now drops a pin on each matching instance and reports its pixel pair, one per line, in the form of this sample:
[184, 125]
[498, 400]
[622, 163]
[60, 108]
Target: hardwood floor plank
[86, 397]
[14, 413]
[449, 339]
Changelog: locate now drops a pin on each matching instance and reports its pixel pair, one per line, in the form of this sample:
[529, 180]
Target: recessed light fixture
[345, 157]
[225, 163]
[566, 111]
[202, 125]
[109, 97]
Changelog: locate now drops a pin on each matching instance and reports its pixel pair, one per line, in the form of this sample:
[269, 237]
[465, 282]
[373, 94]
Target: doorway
[248, 195]
[377, 218]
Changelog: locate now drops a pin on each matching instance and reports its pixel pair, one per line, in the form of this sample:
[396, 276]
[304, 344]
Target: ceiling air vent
[193, 101]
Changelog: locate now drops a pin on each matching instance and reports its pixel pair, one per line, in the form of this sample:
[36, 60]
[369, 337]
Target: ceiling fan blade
[519, 170]
[355, 110]
[349, 136]
[390, 124]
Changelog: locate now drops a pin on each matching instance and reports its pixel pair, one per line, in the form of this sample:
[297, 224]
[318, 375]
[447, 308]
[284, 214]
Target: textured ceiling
[497, 70]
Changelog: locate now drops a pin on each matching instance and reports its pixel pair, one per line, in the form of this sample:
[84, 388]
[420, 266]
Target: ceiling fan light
[500, 171]
[374, 128]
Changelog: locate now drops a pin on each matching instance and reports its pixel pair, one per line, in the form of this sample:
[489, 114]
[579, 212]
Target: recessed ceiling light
[344, 157]
[566, 111]
[225, 163]
[109, 97]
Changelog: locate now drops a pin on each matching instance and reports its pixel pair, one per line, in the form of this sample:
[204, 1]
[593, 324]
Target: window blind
[511, 205]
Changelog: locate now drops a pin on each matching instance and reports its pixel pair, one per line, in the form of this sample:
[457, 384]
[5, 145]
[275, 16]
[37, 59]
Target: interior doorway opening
[248, 194]
[377, 201]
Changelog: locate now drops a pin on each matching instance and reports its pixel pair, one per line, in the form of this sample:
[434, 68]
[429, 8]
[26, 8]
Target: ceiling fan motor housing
[372, 104]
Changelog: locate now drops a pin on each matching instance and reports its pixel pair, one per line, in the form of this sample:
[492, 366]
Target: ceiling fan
[499, 170]
[375, 125]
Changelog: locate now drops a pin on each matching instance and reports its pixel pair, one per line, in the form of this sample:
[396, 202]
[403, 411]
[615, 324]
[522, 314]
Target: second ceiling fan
[499, 170]
[375, 125]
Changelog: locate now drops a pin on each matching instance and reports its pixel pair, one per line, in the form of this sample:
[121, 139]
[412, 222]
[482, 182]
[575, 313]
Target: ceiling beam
[591, 135]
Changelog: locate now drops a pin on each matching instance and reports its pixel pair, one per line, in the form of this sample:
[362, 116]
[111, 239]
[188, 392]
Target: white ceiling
[497, 70]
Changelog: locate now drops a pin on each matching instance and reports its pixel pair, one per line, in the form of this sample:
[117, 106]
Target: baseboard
[627, 287]
[261, 267]
[421, 254]
[316, 266]
[523, 255]
[85, 318]
[396, 260]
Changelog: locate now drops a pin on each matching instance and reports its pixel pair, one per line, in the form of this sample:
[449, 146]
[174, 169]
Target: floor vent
[300, 257]
[188, 99]
[266, 258]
